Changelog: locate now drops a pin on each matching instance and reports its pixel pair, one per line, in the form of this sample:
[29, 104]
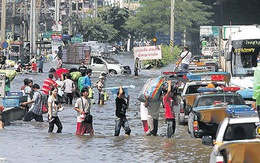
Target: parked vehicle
[209, 109]
[237, 139]
[189, 90]
[99, 64]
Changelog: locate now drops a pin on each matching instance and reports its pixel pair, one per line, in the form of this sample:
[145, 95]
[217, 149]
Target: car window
[240, 131]
[211, 100]
[97, 61]
[111, 60]
[193, 89]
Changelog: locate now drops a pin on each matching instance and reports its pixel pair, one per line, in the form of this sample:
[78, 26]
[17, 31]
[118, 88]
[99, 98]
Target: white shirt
[54, 107]
[186, 60]
[68, 86]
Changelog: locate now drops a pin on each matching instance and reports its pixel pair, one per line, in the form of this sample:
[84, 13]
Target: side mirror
[207, 140]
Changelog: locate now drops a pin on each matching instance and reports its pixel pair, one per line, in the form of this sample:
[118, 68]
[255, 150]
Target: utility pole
[57, 11]
[3, 20]
[26, 20]
[172, 26]
[13, 16]
[121, 3]
[129, 4]
[45, 15]
[95, 8]
[32, 29]
[70, 18]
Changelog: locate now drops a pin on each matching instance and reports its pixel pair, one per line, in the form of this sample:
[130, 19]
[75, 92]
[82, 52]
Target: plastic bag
[152, 89]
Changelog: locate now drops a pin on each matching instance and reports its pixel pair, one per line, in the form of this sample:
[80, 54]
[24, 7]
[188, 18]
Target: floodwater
[29, 141]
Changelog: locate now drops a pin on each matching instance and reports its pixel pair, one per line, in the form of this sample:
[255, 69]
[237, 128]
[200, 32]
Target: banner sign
[148, 52]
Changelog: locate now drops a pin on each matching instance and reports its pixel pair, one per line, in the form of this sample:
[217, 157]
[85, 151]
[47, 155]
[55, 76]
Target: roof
[236, 120]
[247, 34]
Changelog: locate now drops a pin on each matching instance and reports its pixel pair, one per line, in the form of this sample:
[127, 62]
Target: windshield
[244, 57]
[240, 131]
[110, 60]
[210, 100]
[194, 88]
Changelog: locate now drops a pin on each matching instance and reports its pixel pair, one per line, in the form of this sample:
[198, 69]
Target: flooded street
[29, 141]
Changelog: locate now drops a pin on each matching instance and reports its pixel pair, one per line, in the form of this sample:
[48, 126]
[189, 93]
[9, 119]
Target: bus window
[246, 60]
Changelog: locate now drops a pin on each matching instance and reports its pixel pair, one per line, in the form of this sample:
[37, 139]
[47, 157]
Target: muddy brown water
[30, 142]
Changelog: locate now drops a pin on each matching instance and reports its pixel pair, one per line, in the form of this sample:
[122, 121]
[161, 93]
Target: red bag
[44, 109]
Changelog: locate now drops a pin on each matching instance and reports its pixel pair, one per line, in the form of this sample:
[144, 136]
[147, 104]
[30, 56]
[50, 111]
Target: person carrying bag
[184, 60]
[84, 118]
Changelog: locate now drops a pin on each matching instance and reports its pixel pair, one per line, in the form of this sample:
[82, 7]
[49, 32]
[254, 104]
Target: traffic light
[154, 40]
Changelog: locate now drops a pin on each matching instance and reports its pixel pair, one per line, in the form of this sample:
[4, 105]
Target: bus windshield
[244, 57]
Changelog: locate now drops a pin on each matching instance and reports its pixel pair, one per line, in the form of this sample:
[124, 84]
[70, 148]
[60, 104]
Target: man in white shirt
[185, 59]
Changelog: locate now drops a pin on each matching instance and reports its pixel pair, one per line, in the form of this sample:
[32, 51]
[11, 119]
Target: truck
[237, 138]
[75, 55]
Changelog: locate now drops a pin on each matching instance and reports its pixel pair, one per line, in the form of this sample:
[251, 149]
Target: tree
[117, 17]
[154, 16]
[97, 29]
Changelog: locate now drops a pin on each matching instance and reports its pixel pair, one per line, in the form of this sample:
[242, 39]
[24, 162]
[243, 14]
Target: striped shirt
[48, 84]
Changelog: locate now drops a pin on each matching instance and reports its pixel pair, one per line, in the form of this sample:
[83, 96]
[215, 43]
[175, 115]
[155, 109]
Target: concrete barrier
[12, 114]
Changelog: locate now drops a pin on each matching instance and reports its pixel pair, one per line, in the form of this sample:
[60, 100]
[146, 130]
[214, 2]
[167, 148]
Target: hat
[52, 70]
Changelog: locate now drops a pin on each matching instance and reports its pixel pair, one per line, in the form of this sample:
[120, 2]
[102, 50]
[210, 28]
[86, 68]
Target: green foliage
[97, 29]
[154, 16]
[117, 17]
[167, 57]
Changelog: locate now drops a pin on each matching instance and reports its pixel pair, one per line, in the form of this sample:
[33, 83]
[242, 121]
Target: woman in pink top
[168, 101]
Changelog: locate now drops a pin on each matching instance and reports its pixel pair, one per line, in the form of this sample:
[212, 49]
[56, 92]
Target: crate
[13, 101]
[14, 93]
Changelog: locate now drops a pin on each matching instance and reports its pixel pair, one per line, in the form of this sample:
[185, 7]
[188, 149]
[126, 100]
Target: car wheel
[112, 72]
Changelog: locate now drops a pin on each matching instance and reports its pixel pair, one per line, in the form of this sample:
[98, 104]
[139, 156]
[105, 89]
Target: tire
[112, 72]
[190, 126]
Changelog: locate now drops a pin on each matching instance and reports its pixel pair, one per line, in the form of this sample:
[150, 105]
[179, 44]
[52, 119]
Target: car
[237, 139]
[189, 90]
[112, 65]
[209, 109]
[99, 64]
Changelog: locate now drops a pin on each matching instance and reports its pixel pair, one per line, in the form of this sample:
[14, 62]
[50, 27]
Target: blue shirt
[40, 63]
[86, 82]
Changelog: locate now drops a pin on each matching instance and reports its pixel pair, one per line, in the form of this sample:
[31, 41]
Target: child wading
[82, 106]
[122, 104]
